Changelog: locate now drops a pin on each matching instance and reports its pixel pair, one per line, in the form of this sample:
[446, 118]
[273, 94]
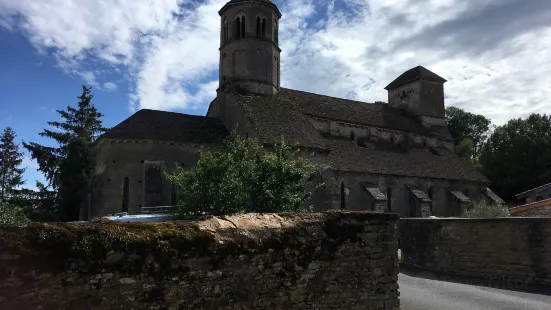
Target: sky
[163, 54]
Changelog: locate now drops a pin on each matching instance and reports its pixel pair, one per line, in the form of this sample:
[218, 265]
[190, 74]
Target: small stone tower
[249, 51]
[421, 93]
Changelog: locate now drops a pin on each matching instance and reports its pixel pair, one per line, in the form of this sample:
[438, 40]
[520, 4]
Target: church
[396, 157]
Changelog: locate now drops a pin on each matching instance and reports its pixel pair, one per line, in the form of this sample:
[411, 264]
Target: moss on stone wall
[252, 261]
[139, 247]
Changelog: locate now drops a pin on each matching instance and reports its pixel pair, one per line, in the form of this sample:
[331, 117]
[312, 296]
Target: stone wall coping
[501, 219]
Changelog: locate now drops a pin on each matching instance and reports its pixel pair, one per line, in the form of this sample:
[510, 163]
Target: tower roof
[415, 74]
[235, 2]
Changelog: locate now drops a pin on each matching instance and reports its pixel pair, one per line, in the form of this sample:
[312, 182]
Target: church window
[392, 139]
[261, 25]
[352, 137]
[424, 143]
[125, 194]
[264, 26]
[225, 32]
[240, 22]
[242, 30]
[343, 197]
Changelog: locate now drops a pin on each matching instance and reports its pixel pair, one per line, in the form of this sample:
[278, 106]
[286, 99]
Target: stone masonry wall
[536, 209]
[544, 211]
[511, 249]
[330, 260]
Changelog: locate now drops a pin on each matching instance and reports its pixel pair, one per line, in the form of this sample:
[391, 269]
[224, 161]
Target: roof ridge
[171, 112]
[327, 96]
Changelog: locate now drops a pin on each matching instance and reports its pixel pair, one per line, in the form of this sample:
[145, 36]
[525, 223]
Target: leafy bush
[483, 210]
[244, 177]
[12, 215]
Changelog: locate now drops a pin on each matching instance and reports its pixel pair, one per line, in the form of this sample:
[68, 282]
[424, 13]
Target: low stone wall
[328, 260]
[535, 209]
[502, 252]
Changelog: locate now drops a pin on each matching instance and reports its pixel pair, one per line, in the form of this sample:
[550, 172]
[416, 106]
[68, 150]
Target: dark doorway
[343, 197]
[125, 194]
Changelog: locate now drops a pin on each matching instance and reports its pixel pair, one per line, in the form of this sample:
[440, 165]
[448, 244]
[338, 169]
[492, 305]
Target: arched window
[243, 22]
[258, 26]
[352, 137]
[225, 32]
[237, 33]
[125, 195]
[343, 197]
[264, 26]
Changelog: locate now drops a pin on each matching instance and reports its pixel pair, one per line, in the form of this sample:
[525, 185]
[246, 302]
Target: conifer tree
[69, 166]
[11, 174]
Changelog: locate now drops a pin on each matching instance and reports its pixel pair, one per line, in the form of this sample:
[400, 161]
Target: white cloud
[494, 53]
[110, 86]
[88, 77]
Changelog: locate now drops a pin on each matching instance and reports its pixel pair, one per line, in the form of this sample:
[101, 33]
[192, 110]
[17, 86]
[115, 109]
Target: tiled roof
[295, 106]
[495, 198]
[286, 114]
[529, 206]
[420, 195]
[459, 195]
[415, 74]
[168, 126]
[533, 191]
[374, 192]
[384, 158]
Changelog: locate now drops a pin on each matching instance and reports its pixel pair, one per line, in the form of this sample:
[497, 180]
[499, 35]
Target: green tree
[465, 148]
[12, 215]
[483, 210]
[39, 204]
[465, 126]
[244, 177]
[11, 174]
[517, 156]
[67, 165]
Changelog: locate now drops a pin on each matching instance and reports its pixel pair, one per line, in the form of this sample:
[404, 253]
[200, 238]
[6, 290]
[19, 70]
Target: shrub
[483, 210]
[244, 177]
[12, 215]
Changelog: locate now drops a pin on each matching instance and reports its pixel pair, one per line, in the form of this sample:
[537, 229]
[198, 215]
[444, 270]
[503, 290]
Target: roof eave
[532, 191]
[231, 3]
[391, 86]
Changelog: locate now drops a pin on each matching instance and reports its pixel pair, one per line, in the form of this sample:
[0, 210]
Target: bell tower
[249, 46]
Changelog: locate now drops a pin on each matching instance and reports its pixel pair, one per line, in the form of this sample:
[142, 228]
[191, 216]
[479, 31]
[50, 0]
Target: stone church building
[396, 157]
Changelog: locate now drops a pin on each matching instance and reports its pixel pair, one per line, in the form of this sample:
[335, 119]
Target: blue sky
[163, 54]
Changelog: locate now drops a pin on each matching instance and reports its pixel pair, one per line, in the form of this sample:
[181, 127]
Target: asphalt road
[423, 293]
